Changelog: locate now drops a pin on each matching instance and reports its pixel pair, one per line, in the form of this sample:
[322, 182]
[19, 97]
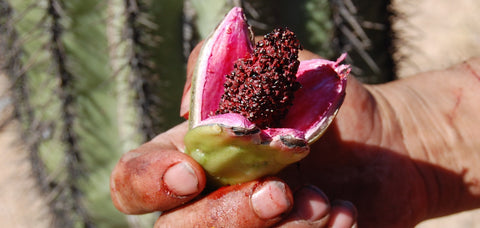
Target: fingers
[260, 203]
[155, 177]
[343, 214]
[192, 58]
[173, 138]
[312, 209]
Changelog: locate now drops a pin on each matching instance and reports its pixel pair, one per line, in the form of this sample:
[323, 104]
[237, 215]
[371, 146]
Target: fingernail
[345, 214]
[311, 204]
[181, 179]
[270, 200]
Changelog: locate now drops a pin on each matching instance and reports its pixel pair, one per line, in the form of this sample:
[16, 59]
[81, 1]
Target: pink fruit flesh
[230, 41]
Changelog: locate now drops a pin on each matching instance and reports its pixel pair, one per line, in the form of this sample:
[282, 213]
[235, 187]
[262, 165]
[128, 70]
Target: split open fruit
[255, 109]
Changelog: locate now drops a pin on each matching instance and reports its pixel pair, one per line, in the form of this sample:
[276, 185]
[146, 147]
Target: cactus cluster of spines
[81, 78]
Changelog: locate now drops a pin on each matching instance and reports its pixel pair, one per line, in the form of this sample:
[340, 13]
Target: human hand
[363, 158]
[159, 177]
[404, 151]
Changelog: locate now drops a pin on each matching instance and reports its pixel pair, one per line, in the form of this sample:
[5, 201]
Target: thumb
[259, 203]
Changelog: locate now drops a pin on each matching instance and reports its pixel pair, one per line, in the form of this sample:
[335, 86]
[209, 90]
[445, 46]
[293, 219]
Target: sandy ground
[434, 34]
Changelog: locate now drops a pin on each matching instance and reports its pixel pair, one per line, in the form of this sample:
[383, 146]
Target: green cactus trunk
[81, 72]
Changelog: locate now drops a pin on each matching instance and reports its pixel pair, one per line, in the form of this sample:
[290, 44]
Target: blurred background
[83, 81]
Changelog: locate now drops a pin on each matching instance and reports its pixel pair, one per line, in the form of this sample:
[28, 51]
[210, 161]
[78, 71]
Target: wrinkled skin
[402, 152]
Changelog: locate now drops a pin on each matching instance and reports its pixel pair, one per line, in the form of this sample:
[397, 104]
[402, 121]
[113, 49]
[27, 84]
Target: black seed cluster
[261, 85]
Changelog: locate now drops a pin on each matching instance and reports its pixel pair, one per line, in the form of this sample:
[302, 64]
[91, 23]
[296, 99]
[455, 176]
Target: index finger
[157, 176]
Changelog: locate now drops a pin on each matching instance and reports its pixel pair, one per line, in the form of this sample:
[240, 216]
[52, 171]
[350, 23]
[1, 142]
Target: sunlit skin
[402, 152]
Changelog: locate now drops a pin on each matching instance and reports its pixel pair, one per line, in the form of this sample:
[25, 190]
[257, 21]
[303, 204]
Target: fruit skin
[317, 103]
[231, 40]
[233, 155]
[232, 149]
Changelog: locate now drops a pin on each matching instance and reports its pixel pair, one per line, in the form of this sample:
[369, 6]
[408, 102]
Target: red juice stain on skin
[458, 99]
[149, 198]
[221, 192]
[472, 71]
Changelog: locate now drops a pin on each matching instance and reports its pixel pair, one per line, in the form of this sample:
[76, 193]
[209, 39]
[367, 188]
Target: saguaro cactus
[92, 79]
[86, 84]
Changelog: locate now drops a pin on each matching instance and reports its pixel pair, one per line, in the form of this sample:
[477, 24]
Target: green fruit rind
[230, 158]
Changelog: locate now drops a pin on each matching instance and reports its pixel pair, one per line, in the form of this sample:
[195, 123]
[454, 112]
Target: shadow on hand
[388, 188]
